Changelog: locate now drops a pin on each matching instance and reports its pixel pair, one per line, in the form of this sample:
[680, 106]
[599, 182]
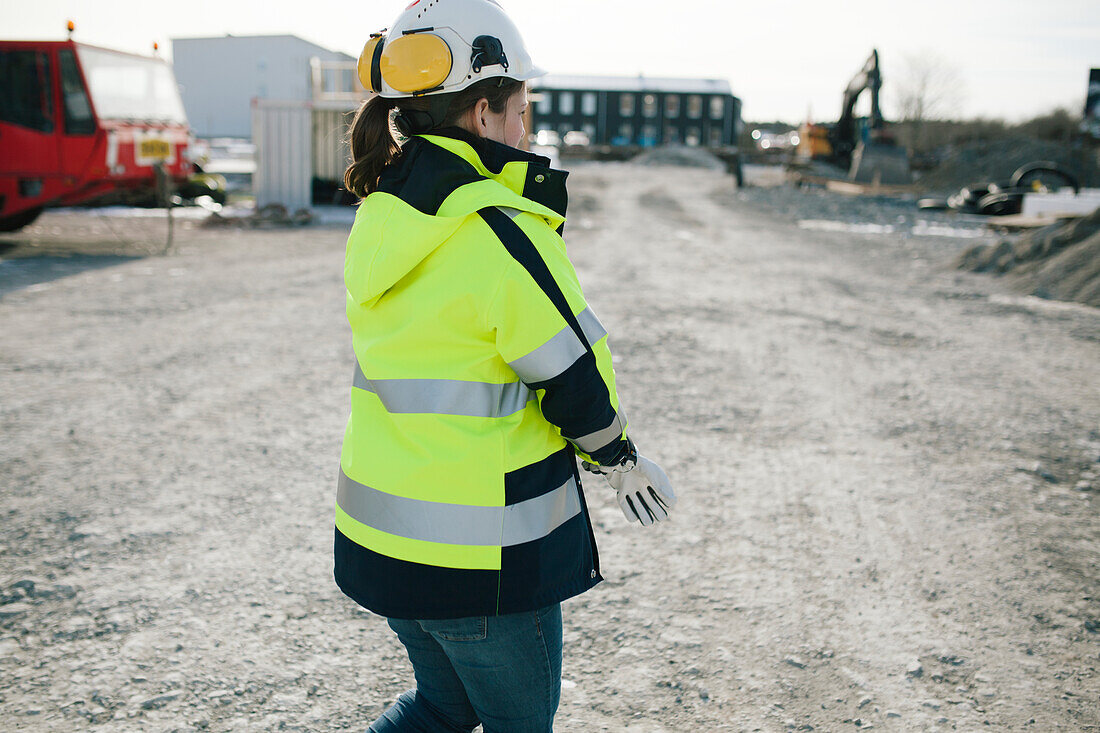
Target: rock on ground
[679, 155]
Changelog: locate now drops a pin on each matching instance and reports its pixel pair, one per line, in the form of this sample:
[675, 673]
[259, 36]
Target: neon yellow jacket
[480, 372]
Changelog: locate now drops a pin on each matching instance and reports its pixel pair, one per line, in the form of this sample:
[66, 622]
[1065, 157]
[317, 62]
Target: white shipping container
[331, 152]
[282, 133]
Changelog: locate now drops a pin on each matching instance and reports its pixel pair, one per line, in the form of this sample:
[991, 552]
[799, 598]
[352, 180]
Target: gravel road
[888, 473]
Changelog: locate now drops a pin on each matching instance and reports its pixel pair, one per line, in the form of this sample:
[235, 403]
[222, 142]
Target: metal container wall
[282, 133]
[331, 152]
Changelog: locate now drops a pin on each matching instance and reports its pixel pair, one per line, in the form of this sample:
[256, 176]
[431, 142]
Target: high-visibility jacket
[480, 373]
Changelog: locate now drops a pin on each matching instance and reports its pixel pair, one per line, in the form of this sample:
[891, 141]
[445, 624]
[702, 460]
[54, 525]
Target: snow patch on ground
[920, 228]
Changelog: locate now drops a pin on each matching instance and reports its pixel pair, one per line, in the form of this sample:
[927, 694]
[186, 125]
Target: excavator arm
[845, 134]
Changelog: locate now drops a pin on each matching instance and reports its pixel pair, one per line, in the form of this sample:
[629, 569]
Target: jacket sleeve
[551, 338]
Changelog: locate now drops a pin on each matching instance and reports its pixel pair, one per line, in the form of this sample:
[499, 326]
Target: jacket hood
[424, 196]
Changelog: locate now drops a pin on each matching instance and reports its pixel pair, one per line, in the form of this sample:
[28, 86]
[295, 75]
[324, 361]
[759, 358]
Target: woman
[480, 374]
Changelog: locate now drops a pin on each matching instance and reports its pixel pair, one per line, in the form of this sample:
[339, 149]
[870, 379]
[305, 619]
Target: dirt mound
[680, 155]
[1061, 261]
[997, 160]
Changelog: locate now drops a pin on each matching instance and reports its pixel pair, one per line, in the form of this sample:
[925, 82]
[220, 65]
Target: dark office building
[637, 110]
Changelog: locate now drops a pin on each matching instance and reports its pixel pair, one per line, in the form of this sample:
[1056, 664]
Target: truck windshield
[25, 96]
[125, 87]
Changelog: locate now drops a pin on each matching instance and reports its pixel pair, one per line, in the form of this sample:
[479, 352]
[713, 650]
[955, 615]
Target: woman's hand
[643, 490]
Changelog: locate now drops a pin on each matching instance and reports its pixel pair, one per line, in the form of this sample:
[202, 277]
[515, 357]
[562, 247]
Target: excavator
[860, 150]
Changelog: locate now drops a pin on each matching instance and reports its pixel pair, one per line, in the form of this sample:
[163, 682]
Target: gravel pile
[1061, 261]
[680, 155]
[997, 160]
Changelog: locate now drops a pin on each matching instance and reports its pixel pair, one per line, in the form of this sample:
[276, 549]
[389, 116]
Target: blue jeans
[503, 672]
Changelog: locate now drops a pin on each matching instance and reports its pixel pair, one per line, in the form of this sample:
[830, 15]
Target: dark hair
[371, 135]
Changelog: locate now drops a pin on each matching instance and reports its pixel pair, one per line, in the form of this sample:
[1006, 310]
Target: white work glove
[643, 490]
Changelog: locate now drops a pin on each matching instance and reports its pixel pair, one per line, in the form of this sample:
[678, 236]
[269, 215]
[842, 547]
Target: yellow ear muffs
[415, 62]
[369, 75]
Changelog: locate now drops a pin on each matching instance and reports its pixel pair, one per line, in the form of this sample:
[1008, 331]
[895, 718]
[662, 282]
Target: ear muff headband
[416, 63]
[369, 75]
[487, 51]
[375, 70]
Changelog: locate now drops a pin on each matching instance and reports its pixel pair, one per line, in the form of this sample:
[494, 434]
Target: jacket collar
[493, 156]
[451, 172]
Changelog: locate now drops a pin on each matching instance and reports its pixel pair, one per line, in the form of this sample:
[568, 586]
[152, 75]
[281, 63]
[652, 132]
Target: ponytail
[373, 145]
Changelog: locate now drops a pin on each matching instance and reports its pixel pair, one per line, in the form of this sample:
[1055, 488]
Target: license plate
[155, 149]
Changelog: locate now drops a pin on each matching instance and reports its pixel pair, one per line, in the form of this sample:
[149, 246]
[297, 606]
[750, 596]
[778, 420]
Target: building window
[626, 105]
[715, 136]
[672, 106]
[649, 135]
[649, 105]
[695, 106]
[672, 135]
[626, 134]
[589, 129]
[545, 103]
[692, 137]
[588, 104]
[717, 108]
[565, 103]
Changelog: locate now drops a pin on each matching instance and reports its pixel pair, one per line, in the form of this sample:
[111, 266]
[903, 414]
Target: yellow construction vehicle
[861, 150]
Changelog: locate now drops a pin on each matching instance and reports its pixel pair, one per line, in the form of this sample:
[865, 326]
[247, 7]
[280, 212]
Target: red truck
[84, 125]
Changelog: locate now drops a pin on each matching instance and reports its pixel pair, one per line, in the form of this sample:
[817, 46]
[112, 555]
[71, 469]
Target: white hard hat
[443, 46]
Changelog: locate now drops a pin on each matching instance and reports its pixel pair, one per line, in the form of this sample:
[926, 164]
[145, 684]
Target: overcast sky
[1012, 58]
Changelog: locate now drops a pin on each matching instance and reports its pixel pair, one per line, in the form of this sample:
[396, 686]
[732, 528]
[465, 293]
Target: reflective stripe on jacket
[480, 371]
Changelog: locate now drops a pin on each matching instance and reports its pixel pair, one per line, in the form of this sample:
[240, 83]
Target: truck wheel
[15, 222]
[1039, 174]
[1001, 204]
[970, 196]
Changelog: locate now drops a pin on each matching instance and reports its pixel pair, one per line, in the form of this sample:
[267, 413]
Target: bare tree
[926, 87]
